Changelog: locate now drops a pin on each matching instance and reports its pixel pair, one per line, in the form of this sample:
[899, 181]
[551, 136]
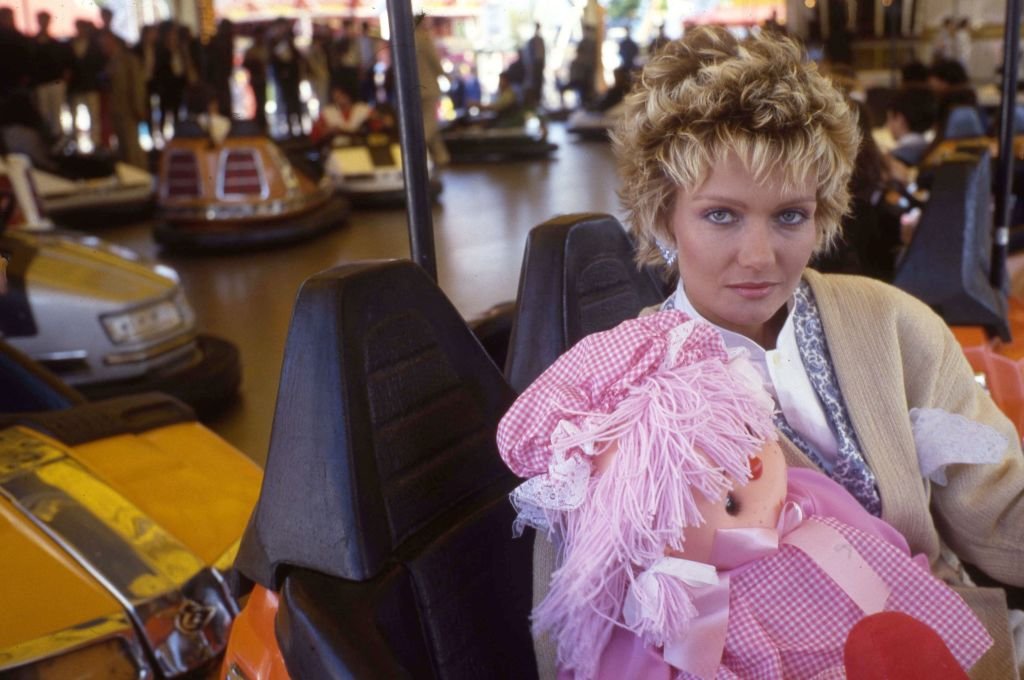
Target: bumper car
[82, 190]
[594, 125]
[367, 169]
[105, 320]
[240, 193]
[107, 569]
[596, 122]
[482, 138]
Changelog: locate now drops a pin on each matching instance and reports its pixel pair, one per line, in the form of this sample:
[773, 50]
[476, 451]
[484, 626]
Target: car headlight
[144, 322]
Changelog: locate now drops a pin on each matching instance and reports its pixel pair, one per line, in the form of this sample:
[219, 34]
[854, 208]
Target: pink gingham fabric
[788, 619]
[592, 378]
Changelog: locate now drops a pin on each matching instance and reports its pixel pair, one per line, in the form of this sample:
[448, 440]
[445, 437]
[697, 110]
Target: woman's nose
[755, 246]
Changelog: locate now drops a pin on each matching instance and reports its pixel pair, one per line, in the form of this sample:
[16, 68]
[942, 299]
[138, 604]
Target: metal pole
[1004, 169]
[410, 126]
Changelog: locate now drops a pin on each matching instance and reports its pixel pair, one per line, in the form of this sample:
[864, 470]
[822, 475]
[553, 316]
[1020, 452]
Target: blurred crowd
[97, 84]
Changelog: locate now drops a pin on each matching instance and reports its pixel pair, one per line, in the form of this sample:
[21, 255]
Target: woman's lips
[752, 290]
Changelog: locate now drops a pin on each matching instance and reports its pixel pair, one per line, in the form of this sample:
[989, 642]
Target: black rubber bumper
[234, 236]
[208, 386]
[468, 149]
[106, 215]
[394, 198]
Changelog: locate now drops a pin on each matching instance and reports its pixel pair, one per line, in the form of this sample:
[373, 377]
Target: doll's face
[756, 504]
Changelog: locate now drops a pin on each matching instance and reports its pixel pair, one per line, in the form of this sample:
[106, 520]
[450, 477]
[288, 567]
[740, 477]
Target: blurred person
[195, 60]
[465, 88]
[83, 86]
[367, 48]
[583, 68]
[318, 64]
[170, 75]
[287, 68]
[948, 80]
[946, 75]
[127, 98]
[507, 105]
[535, 54]
[617, 92]
[345, 58]
[51, 62]
[15, 54]
[914, 74]
[869, 241]
[341, 114]
[220, 64]
[962, 42]
[428, 65]
[382, 119]
[203, 106]
[106, 21]
[909, 118]
[256, 62]
[942, 43]
[516, 72]
[628, 51]
[657, 42]
[106, 122]
[146, 51]
[772, 25]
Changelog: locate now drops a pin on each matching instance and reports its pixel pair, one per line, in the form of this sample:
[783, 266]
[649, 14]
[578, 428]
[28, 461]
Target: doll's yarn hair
[679, 430]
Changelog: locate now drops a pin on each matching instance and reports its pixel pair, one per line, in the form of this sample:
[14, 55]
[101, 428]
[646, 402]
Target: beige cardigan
[892, 353]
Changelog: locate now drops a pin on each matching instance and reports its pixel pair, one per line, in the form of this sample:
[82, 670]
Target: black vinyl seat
[948, 262]
[27, 387]
[963, 122]
[578, 277]
[383, 520]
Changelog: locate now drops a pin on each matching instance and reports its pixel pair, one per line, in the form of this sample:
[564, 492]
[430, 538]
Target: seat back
[963, 122]
[383, 479]
[578, 277]
[27, 387]
[948, 262]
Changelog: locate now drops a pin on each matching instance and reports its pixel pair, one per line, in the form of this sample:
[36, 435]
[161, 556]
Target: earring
[670, 255]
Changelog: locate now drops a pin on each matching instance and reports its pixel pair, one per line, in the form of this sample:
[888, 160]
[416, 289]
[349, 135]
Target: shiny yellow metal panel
[42, 589]
[104, 648]
[185, 478]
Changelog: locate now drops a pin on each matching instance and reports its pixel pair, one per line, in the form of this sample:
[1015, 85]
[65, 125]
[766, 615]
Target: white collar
[731, 338]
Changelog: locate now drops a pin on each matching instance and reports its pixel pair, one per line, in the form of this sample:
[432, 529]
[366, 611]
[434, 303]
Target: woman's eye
[732, 506]
[792, 217]
[720, 216]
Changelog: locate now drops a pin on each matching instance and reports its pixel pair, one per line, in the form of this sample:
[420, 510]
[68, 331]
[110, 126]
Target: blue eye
[792, 217]
[720, 216]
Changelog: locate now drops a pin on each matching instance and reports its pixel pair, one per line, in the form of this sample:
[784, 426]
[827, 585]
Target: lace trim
[943, 438]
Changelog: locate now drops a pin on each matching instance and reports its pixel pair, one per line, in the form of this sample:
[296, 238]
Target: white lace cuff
[943, 438]
[563, 487]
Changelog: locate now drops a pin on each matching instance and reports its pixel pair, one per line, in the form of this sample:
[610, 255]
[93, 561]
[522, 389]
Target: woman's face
[756, 504]
[742, 246]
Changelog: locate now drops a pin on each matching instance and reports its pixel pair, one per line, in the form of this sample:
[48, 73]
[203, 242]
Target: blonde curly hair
[709, 94]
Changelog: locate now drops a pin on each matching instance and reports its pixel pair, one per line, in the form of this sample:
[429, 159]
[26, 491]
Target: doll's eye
[732, 506]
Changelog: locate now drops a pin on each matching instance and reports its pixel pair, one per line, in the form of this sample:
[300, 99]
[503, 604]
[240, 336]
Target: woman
[735, 160]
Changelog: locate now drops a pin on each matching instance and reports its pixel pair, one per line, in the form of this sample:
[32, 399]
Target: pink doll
[687, 548]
